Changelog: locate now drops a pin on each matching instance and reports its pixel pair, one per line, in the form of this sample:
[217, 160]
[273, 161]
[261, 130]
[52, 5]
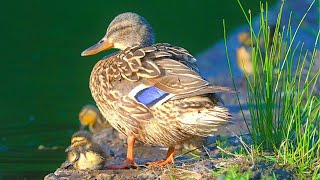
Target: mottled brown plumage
[122, 83]
[113, 78]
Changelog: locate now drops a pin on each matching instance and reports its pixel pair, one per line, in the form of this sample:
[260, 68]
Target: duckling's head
[245, 38]
[88, 116]
[80, 139]
[126, 29]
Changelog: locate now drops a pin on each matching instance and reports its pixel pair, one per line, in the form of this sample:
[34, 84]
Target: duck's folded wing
[183, 81]
[165, 72]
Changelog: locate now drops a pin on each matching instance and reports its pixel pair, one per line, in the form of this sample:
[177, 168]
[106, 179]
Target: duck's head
[88, 116]
[80, 139]
[126, 30]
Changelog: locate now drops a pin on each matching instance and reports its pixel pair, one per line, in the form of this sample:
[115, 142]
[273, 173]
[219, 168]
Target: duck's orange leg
[129, 160]
[169, 158]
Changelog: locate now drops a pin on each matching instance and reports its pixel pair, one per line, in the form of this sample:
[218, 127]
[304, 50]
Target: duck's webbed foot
[169, 159]
[129, 163]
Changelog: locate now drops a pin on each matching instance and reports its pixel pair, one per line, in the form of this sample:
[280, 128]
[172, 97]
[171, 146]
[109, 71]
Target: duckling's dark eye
[101, 41]
[75, 141]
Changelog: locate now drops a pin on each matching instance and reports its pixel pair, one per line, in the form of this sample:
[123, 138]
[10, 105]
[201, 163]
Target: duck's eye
[101, 41]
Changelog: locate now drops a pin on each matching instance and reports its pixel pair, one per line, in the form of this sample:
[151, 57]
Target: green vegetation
[282, 99]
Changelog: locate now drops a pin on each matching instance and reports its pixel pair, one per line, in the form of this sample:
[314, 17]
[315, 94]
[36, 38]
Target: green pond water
[44, 80]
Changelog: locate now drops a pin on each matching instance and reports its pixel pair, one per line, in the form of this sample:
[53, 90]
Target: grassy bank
[282, 96]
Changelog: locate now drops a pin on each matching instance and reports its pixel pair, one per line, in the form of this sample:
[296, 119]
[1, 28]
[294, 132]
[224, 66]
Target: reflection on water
[22, 150]
[44, 81]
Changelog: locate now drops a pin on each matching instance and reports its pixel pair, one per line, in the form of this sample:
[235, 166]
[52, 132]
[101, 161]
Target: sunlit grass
[232, 172]
[282, 99]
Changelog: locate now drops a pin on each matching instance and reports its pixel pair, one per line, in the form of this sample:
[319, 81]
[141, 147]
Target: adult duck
[151, 92]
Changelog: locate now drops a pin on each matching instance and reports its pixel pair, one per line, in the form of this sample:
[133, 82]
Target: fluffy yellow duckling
[244, 60]
[243, 53]
[90, 116]
[83, 153]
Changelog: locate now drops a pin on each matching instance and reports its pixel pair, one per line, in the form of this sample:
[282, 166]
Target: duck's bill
[69, 148]
[102, 45]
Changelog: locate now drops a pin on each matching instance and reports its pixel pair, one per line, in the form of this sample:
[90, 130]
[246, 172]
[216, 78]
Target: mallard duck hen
[151, 92]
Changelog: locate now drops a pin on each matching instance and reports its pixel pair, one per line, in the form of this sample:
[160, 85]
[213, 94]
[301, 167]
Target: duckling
[91, 116]
[243, 53]
[244, 60]
[83, 153]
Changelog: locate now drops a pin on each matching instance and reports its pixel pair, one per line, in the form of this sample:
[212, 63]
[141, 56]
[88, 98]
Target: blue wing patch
[151, 96]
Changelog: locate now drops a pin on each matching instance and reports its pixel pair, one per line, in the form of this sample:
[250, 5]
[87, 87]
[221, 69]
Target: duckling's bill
[68, 149]
[102, 45]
